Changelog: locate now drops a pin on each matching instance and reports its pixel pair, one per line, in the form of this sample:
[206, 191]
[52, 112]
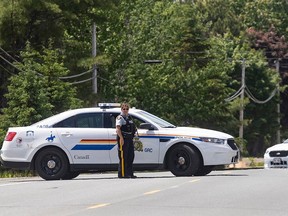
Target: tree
[179, 87]
[261, 15]
[36, 92]
[66, 23]
[276, 49]
[234, 18]
[220, 17]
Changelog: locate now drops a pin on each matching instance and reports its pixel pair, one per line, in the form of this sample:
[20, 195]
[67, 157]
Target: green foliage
[37, 92]
[164, 31]
[242, 144]
[8, 173]
[220, 16]
[199, 68]
[264, 14]
[35, 20]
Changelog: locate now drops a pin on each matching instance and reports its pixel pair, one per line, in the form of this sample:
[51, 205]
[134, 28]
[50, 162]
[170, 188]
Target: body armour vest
[129, 128]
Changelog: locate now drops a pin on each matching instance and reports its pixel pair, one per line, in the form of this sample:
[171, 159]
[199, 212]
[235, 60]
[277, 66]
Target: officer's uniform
[126, 151]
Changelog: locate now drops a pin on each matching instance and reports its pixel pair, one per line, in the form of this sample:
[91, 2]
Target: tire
[70, 175]
[204, 170]
[51, 164]
[183, 160]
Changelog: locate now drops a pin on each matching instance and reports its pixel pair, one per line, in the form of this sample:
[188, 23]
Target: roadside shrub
[10, 173]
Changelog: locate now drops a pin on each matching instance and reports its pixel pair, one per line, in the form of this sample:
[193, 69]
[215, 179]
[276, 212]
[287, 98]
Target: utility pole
[94, 53]
[241, 114]
[278, 138]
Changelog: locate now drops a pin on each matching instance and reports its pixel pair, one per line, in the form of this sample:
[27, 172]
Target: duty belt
[127, 134]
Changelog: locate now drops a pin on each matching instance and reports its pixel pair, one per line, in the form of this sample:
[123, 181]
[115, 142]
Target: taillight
[10, 136]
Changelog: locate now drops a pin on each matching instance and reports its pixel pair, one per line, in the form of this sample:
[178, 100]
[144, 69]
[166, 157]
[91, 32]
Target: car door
[86, 139]
[145, 153]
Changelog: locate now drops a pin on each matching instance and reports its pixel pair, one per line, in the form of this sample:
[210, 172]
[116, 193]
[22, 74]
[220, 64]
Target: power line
[11, 73]
[82, 81]
[250, 95]
[39, 74]
[236, 94]
[11, 64]
[77, 75]
[8, 54]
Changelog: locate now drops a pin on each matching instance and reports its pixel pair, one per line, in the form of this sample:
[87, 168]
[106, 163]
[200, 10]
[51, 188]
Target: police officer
[125, 129]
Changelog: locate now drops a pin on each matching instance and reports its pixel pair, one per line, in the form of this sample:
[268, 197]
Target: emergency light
[108, 105]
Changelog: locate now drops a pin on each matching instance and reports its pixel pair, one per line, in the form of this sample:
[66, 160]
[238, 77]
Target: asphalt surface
[229, 192]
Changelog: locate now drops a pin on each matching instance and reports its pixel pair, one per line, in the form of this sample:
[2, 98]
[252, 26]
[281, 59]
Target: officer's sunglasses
[125, 108]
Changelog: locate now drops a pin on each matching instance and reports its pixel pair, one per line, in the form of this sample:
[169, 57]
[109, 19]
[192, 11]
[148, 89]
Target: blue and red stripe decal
[95, 144]
[108, 144]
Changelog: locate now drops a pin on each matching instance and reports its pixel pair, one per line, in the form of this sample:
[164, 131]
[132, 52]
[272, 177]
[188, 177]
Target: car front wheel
[70, 175]
[51, 164]
[183, 160]
[204, 170]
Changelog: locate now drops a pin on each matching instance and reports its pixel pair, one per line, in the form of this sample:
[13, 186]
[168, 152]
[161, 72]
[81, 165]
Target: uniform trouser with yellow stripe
[126, 158]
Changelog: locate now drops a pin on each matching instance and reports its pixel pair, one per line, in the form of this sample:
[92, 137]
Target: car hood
[279, 147]
[197, 132]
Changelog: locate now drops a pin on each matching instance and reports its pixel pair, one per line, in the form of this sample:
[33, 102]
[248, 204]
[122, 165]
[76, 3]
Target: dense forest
[194, 63]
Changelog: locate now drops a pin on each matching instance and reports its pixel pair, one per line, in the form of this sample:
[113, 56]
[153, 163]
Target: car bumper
[221, 156]
[14, 165]
[276, 162]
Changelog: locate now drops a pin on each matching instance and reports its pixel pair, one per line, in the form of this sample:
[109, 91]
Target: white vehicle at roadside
[276, 156]
[84, 140]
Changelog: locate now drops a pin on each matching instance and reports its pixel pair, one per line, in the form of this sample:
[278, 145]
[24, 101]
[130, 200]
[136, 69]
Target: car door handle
[67, 134]
[114, 134]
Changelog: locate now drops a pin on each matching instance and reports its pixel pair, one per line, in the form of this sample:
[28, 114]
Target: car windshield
[162, 123]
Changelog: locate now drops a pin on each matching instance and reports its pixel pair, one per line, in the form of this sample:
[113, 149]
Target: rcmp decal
[168, 137]
[30, 133]
[149, 150]
[43, 126]
[51, 137]
[19, 140]
[138, 145]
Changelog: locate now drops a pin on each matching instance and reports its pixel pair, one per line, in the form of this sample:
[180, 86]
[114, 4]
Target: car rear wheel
[51, 164]
[183, 160]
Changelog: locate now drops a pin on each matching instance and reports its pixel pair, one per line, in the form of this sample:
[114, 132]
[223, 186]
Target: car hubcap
[51, 164]
[181, 160]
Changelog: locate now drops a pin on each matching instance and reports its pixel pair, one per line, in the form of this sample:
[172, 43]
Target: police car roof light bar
[108, 105]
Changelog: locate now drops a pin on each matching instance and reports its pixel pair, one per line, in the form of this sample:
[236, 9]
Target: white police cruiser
[276, 156]
[84, 140]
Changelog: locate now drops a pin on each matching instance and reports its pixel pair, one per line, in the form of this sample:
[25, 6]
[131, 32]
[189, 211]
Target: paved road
[234, 192]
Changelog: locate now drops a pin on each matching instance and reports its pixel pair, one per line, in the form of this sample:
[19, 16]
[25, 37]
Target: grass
[9, 173]
[255, 163]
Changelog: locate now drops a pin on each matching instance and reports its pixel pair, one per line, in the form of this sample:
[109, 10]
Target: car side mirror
[147, 126]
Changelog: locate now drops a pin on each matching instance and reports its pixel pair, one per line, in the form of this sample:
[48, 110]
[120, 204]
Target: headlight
[212, 140]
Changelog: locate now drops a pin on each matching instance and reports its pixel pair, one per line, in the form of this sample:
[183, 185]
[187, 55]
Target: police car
[276, 156]
[84, 140]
